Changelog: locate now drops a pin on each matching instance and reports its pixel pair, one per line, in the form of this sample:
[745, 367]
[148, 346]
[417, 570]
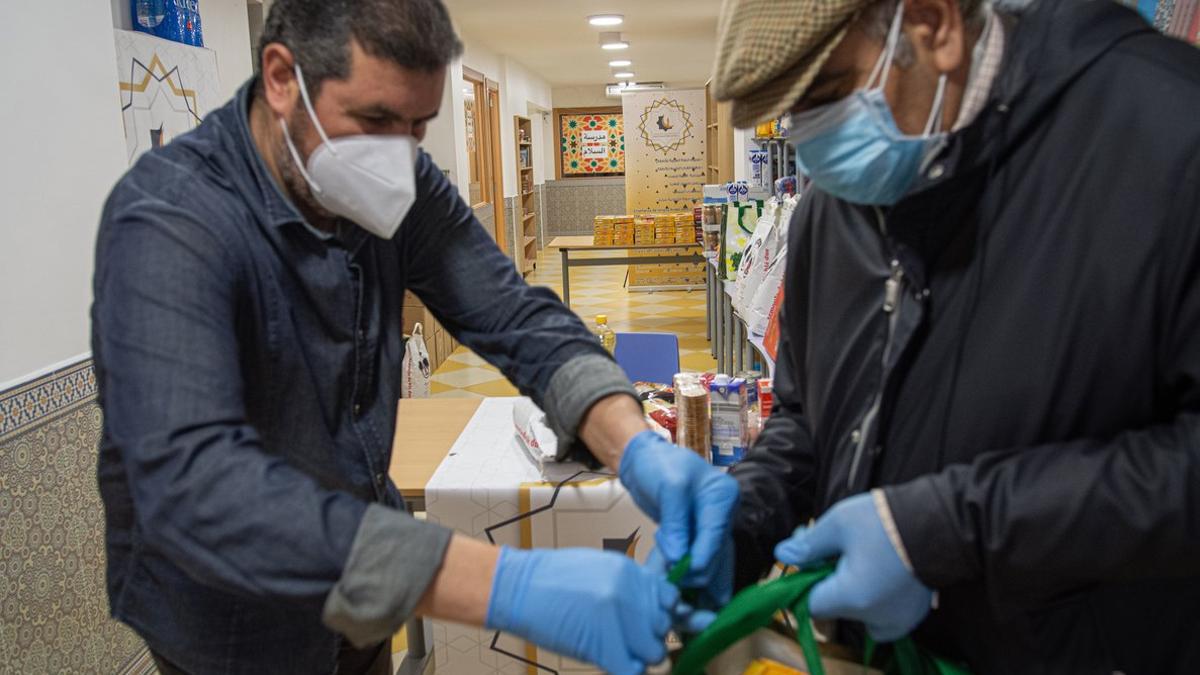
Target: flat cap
[769, 51]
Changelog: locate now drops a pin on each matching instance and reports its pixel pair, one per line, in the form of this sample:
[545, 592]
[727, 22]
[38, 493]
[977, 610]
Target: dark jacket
[1030, 395]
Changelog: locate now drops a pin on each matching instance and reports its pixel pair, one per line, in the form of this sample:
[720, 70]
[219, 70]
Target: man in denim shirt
[247, 338]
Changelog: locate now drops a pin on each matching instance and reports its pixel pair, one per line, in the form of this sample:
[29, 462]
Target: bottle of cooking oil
[604, 334]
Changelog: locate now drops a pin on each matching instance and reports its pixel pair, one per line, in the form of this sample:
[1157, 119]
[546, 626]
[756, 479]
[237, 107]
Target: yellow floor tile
[497, 388]
[594, 290]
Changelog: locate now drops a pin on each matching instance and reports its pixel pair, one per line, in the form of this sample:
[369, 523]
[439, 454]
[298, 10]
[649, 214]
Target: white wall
[64, 147]
[741, 157]
[226, 28]
[520, 88]
[583, 97]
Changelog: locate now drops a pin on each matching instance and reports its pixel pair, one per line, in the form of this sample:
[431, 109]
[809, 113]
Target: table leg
[738, 345]
[708, 313]
[566, 272]
[416, 661]
[726, 333]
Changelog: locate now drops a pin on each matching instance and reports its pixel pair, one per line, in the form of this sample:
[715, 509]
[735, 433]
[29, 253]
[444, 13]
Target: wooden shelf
[527, 194]
[527, 168]
[530, 240]
[524, 256]
[527, 143]
[528, 217]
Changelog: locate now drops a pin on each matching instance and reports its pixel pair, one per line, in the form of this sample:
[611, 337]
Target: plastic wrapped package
[694, 424]
[740, 221]
[757, 257]
[756, 308]
[175, 20]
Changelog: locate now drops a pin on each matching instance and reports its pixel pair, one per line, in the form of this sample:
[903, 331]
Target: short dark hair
[414, 34]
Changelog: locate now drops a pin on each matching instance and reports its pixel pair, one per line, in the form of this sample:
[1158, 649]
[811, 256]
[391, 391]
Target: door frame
[487, 140]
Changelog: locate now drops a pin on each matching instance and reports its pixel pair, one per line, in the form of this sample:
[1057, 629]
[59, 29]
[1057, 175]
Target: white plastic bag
[414, 369]
[756, 258]
[757, 311]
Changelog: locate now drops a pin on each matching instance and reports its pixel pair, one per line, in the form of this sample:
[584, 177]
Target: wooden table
[586, 243]
[426, 429]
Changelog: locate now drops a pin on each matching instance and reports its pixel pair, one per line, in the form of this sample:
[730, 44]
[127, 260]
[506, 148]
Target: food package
[740, 220]
[713, 218]
[766, 397]
[757, 303]
[757, 258]
[532, 434]
[728, 403]
[415, 372]
[771, 338]
[694, 424]
[175, 20]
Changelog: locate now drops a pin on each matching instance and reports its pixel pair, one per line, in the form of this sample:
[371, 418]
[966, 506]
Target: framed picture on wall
[591, 142]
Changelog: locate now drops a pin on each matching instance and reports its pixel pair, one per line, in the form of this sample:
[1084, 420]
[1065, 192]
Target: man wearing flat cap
[988, 388]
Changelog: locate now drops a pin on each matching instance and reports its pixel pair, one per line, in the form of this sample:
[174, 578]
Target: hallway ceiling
[672, 41]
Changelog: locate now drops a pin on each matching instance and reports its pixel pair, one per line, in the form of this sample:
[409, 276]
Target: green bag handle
[755, 607]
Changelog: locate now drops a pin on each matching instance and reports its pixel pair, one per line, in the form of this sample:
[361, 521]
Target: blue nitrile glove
[590, 605]
[691, 501]
[693, 614]
[871, 583]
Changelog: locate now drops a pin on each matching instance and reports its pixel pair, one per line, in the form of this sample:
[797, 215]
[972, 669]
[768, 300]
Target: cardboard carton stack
[437, 339]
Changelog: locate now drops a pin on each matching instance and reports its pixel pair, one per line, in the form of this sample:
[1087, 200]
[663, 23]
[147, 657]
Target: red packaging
[766, 397]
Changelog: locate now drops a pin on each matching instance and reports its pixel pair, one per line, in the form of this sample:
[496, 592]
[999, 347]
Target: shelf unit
[526, 211]
[718, 139]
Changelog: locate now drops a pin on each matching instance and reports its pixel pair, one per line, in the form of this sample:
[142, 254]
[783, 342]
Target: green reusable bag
[755, 607]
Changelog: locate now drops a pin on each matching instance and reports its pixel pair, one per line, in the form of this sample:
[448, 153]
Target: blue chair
[648, 357]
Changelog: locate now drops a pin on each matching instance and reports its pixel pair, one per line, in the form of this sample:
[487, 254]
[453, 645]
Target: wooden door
[496, 165]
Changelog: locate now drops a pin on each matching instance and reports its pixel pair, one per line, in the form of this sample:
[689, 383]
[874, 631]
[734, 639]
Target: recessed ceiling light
[606, 19]
[624, 75]
[620, 63]
[612, 40]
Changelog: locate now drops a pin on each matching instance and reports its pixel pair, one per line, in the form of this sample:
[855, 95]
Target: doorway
[481, 101]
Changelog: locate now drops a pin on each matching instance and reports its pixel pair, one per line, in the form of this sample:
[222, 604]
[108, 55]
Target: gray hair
[877, 21]
[414, 34]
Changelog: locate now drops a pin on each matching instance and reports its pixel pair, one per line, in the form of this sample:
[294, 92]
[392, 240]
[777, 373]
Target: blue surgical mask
[853, 149]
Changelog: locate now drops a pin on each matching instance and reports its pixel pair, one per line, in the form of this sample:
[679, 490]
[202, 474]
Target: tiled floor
[594, 290]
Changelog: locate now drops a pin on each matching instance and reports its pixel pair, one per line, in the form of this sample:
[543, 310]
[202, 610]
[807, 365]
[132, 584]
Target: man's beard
[297, 187]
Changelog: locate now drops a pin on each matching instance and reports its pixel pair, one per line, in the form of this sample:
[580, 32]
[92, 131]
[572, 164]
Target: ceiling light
[624, 75]
[620, 63]
[606, 19]
[612, 40]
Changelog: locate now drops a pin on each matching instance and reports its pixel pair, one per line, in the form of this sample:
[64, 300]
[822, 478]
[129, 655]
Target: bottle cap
[601, 318]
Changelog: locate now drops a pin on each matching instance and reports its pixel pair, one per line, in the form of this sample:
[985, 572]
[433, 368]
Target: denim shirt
[249, 371]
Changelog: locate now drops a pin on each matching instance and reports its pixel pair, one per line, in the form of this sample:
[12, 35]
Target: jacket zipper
[891, 303]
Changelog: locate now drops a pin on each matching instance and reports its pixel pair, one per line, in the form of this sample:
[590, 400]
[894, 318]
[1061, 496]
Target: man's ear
[937, 33]
[280, 89]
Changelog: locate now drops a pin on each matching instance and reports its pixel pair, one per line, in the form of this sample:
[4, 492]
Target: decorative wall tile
[46, 397]
[53, 602]
[572, 204]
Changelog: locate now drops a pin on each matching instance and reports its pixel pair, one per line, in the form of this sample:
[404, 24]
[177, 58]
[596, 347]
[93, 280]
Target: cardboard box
[489, 488]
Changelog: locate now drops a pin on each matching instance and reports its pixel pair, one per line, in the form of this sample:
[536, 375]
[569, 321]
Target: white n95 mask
[369, 180]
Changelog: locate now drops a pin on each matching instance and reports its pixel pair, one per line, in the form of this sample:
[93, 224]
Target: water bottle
[604, 334]
[149, 13]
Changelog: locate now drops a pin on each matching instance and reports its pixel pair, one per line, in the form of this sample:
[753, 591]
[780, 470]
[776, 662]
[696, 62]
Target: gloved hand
[590, 605]
[693, 614]
[691, 501]
[871, 583]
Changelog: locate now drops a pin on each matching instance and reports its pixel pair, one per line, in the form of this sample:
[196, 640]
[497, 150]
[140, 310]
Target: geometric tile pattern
[53, 603]
[594, 290]
[571, 205]
[53, 394]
